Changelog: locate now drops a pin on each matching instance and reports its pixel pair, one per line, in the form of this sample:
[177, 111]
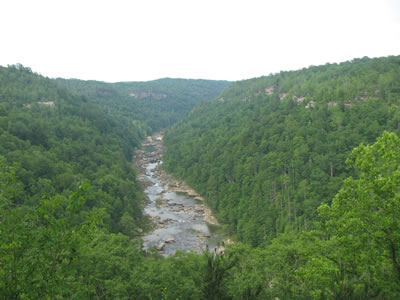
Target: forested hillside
[153, 105]
[60, 141]
[270, 150]
[70, 206]
[352, 253]
[278, 158]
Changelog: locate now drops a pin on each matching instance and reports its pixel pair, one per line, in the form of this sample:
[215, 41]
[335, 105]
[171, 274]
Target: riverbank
[179, 186]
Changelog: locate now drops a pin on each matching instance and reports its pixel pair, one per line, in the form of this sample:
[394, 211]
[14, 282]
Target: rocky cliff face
[144, 94]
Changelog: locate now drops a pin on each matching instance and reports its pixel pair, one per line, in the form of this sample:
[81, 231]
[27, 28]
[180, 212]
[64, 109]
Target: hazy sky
[212, 39]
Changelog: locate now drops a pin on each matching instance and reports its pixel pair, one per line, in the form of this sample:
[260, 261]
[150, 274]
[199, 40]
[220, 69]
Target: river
[182, 220]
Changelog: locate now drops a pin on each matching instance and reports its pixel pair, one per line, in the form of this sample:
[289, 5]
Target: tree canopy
[270, 150]
[152, 105]
[302, 169]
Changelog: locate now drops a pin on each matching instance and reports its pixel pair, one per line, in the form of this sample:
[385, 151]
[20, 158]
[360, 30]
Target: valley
[299, 168]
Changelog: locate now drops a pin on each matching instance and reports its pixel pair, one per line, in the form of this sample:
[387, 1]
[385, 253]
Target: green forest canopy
[351, 254]
[60, 141]
[154, 105]
[270, 150]
[269, 155]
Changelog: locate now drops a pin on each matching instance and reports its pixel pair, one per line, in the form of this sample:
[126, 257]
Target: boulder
[203, 235]
[170, 240]
[160, 246]
[199, 209]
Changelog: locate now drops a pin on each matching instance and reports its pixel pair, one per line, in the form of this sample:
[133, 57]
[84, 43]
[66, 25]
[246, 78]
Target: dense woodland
[153, 105]
[60, 142]
[270, 150]
[315, 215]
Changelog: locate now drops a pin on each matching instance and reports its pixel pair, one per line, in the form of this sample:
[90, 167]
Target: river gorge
[182, 220]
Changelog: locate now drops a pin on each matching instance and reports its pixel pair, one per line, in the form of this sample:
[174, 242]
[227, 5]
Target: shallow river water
[181, 223]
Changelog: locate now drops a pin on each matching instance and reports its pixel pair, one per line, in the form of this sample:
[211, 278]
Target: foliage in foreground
[45, 252]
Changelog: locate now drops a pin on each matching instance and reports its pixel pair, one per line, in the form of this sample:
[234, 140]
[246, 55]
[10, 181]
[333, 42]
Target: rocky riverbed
[182, 219]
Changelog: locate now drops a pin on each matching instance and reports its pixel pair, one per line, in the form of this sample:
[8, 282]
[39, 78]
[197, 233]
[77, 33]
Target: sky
[142, 40]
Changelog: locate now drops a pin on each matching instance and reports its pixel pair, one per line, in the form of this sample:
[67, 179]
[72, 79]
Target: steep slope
[270, 150]
[154, 104]
[60, 141]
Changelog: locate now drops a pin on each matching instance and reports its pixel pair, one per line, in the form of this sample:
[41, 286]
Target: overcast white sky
[119, 40]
